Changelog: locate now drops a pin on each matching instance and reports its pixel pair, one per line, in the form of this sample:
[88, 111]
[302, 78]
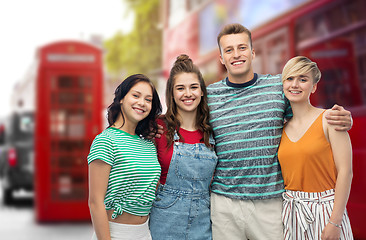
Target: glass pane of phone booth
[70, 113]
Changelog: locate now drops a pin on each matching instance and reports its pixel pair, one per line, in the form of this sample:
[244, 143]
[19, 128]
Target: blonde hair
[301, 65]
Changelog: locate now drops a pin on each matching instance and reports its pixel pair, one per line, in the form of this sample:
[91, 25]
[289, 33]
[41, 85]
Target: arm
[98, 182]
[340, 118]
[342, 153]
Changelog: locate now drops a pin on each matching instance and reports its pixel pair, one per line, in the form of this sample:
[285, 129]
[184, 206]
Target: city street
[17, 222]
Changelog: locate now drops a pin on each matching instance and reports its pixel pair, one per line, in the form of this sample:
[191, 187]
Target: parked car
[17, 154]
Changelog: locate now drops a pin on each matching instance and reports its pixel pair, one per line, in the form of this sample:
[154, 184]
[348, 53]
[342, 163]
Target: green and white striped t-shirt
[134, 174]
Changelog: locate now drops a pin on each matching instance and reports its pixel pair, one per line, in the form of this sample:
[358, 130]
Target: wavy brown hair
[184, 64]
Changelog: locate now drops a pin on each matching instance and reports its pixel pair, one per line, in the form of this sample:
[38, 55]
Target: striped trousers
[305, 215]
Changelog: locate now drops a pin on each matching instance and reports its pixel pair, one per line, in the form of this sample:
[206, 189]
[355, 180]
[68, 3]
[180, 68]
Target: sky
[26, 25]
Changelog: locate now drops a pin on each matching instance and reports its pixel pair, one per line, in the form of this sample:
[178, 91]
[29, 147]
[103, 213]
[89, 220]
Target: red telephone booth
[68, 116]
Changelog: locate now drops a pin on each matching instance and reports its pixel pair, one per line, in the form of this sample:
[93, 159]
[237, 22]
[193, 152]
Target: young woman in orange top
[316, 162]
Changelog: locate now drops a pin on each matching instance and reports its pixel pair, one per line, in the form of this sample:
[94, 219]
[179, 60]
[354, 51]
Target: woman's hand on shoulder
[152, 135]
[160, 130]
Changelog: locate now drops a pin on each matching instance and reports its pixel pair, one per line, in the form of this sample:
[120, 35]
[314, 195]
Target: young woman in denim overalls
[185, 151]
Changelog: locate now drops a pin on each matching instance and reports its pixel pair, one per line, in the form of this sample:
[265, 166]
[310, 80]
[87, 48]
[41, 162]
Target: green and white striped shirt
[134, 174]
[247, 121]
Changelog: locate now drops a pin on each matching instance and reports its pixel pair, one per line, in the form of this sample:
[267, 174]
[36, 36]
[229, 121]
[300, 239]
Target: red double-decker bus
[330, 32]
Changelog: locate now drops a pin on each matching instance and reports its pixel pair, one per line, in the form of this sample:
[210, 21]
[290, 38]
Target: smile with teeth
[238, 62]
[188, 101]
[138, 110]
[294, 91]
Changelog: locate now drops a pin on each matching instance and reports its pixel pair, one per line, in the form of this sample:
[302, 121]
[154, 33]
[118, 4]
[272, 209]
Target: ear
[121, 101]
[314, 88]
[253, 54]
[221, 59]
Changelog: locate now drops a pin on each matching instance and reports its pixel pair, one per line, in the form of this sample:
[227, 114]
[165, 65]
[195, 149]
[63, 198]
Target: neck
[243, 78]
[301, 110]
[128, 126]
[188, 120]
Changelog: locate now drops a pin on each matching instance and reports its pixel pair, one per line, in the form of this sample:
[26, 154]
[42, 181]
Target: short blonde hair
[301, 65]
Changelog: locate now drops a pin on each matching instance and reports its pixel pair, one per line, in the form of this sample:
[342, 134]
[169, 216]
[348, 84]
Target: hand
[160, 131]
[157, 134]
[340, 117]
[331, 232]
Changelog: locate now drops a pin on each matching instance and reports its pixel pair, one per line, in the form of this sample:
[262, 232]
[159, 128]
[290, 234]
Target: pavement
[17, 222]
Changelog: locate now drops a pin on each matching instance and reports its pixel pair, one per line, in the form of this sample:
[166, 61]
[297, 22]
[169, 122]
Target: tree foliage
[140, 50]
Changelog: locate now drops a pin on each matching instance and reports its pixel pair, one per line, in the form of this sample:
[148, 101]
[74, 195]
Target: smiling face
[237, 56]
[136, 105]
[299, 88]
[187, 92]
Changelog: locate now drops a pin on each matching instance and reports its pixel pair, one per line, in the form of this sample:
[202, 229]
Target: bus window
[336, 88]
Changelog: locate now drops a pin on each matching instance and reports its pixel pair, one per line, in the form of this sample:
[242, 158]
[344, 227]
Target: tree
[140, 50]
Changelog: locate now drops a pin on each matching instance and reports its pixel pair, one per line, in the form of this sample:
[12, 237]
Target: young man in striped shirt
[247, 115]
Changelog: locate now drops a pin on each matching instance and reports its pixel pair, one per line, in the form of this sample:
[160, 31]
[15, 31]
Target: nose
[188, 92]
[236, 53]
[141, 101]
[295, 83]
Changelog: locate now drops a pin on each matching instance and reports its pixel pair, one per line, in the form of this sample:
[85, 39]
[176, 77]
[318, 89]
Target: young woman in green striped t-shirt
[123, 166]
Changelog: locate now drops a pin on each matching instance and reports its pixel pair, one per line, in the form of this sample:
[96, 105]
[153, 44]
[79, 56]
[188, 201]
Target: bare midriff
[127, 218]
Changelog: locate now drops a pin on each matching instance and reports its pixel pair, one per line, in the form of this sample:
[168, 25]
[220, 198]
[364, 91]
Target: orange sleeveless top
[307, 165]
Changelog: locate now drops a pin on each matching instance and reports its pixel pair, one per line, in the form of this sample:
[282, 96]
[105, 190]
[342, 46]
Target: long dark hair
[148, 124]
[184, 64]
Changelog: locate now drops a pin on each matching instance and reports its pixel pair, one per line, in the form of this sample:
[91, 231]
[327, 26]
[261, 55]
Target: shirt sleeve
[102, 149]
[288, 110]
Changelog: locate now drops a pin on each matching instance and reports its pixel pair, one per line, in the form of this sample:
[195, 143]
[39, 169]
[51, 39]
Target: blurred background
[61, 61]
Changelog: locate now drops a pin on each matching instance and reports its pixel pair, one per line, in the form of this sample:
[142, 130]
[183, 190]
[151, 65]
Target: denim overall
[181, 209]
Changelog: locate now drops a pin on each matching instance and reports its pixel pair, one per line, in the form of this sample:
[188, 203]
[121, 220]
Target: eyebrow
[303, 76]
[140, 92]
[182, 85]
[228, 47]
[239, 45]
